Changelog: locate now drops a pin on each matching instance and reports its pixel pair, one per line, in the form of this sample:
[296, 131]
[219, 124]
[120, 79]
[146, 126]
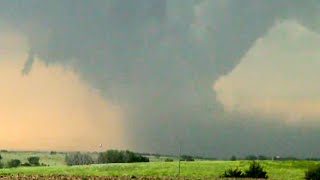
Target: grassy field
[157, 168]
[198, 169]
[45, 157]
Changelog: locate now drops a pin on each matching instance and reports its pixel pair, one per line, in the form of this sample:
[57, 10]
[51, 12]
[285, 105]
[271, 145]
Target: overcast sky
[223, 77]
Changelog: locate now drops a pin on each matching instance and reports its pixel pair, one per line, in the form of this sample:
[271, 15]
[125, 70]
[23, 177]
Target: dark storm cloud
[158, 58]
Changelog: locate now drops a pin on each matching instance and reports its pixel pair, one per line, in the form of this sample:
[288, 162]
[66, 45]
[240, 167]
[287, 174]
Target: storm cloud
[158, 60]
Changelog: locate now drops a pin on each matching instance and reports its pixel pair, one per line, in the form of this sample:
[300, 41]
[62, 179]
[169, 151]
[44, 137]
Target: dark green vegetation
[34, 161]
[233, 173]
[255, 171]
[313, 173]
[78, 158]
[186, 158]
[13, 163]
[115, 156]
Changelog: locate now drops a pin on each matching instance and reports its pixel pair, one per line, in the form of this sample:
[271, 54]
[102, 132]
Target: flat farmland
[293, 170]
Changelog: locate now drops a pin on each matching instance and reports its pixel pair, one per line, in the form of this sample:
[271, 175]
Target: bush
[168, 160]
[186, 158]
[25, 164]
[1, 165]
[115, 156]
[233, 158]
[256, 171]
[42, 164]
[34, 161]
[78, 159]
[53, 152]
[230, 173]
[14, 163]
[313, 173]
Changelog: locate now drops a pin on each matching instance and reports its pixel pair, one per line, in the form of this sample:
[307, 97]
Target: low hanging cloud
[277, 76]
[51, 108]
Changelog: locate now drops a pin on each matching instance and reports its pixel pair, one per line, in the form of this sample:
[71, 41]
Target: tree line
[109, 156]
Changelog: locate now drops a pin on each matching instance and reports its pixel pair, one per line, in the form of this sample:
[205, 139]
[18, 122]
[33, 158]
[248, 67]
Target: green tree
[14, 163]
[78, 159]
[233, 158]
[186, 158]
[116, 156]
[34, 161]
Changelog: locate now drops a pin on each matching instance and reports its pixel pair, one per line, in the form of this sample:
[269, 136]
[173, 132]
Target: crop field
[156, 169]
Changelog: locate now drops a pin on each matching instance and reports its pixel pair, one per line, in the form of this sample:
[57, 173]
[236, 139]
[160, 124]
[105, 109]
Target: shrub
[186, 158]
[233, 158]
[25, 164]
[115, 156]
[14, 163]
[34, 161]
[168, 160]
[53, 152]
[78, 159]
[1, 165]
[313, 173]
[256, 171]
[42, 164]
[233, 173]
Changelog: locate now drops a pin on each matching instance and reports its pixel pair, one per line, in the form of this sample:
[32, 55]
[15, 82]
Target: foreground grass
[201, 169]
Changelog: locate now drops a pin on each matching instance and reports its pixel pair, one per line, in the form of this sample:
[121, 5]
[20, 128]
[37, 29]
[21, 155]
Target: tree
[78, 159]
[187, 158]
[34, 161]
[53, 152]
[14, 163]
[115, 156]
[233, 158]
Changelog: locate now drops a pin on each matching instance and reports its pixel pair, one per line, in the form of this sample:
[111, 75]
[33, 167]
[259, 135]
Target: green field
[158, 168]
[46, 158]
